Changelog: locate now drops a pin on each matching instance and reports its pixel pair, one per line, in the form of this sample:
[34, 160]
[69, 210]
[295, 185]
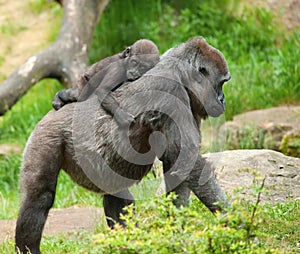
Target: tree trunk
[64, 60]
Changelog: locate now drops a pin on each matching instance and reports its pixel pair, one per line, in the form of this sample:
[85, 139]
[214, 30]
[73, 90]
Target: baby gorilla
[110, 73]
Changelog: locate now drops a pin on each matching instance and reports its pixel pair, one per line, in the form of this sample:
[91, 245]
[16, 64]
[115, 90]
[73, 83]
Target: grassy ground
[264, 62]
[164, 229]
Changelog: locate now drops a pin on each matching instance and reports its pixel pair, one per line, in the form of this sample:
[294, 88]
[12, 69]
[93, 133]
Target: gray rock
[242, 168]
[275, 128]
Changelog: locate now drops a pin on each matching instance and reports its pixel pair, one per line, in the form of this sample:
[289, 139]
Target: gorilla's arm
[175, 169]
[184, 168]
[203, 183]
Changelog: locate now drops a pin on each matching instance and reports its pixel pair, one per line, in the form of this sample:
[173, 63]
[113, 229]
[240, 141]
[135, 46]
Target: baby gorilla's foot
[123, 118]
[57, 102]
[62, 98]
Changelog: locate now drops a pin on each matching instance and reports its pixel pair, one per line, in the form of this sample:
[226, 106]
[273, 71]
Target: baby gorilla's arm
[64, 97]
[102, 84]
[111, 106]
[105, 81]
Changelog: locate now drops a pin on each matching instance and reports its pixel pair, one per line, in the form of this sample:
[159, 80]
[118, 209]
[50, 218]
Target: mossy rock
[290, 145]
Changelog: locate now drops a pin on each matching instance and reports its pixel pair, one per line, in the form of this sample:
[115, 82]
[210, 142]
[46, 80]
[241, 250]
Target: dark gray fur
[83, 140]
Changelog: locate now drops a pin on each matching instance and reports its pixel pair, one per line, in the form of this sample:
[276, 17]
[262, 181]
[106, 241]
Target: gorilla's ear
[126, 52]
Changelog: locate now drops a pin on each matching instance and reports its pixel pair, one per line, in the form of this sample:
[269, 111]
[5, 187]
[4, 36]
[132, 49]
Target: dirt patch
[9, 149]
[286, 11]
[60, 221]
[22, 32]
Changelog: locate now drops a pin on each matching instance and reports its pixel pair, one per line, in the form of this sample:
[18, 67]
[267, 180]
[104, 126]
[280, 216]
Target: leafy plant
[157, 226]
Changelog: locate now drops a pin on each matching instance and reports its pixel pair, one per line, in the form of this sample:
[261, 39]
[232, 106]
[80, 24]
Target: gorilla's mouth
[132, 78]
[215, 111]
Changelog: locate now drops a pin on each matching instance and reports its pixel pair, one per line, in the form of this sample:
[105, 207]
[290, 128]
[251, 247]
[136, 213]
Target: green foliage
[124, 26]
[18, 123]
[253, 137]
[264, 64]
[38, 6]
[282, 225]
[247, 137]
[290, 145]
[2, 60]
[9, 28]
[7, 247]
[76, 194]
[157, 226]
[9, 172]
[287, 72]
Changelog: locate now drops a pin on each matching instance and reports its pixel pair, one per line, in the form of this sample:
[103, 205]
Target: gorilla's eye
[203, 71]
[127, 51]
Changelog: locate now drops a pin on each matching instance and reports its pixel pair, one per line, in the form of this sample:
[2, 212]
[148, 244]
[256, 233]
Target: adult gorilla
[168, 103]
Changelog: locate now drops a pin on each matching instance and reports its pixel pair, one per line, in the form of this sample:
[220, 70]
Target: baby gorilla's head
[141, 57]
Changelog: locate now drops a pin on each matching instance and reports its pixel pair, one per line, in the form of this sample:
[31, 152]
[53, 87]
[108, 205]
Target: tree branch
[64, 60]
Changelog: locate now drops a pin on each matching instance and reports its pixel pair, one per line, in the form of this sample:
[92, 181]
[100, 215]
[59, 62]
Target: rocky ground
[243, 169]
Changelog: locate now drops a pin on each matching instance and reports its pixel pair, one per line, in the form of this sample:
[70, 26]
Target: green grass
[76, 194]
[9, 170]
[156, 226]
[282, 223]
[18, 123]
[265, 67]
[9, 28]
[38, 6]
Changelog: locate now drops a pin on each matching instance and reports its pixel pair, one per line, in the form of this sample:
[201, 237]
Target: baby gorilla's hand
[123, 118]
